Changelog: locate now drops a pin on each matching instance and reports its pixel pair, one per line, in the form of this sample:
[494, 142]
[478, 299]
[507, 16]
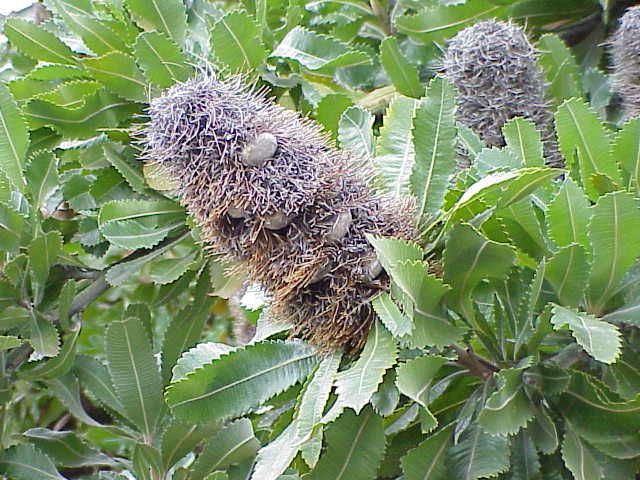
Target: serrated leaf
[469, 258]
[525, 464]
[11, 226]
[67, 390]
[94, 377]
[167, 16]
[428, 459]
[403, 75]
[70, 94]
[14, 139]
[357, 384]
[478, 455]
[330, 110]
[42, 177]
[438, 22]
[124, 161]
[600, 339]
[197, 357]
[560, 68]
[101, 110]
[235, 42]
[57, 366]
[523, 139]
[8, 342]
[579, 130]
[234, 443]
[508, 409]
[43, 254]
[416, 376]
[238, 382]
[65, 448]
[568, 271]
[626, 151]
[36, 42]
[543, 431]
[568, 216]
[43, 336]
[395, 153]
[316, 52]
[578, 457]
[161, 59]
[178, 439]
[355, 446]
[170, 269]
[355, 134]
[274, 458]
[120, 74]
[392, 250]
[25, 462]
[135, 373]
[390, 315]
[434, 134]
[614, 231]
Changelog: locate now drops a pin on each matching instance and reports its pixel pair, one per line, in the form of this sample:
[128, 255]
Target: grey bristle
[625, 53]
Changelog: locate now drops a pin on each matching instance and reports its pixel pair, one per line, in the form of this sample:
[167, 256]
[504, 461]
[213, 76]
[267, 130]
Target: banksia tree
[625, 52]
[493, 65]
[267, 188]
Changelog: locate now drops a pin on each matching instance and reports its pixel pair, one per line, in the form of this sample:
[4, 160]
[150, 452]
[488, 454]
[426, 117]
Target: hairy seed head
[625, 53]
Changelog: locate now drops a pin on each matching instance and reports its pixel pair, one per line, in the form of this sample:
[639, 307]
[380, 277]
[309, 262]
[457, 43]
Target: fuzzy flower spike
[493, 65]
[625, 52]
[267, 188]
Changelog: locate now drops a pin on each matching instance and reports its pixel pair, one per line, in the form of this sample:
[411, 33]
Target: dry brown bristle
[277, 214]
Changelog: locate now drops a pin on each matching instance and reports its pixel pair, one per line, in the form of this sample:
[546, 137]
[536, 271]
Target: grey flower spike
[306, 213]
[262, 149]
[493, 66]
[625, 53]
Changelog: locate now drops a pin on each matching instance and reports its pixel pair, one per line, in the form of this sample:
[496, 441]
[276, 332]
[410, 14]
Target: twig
[478, 366]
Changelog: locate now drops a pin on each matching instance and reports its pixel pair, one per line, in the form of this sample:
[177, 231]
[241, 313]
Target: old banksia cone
[267, 188]
[493, 65]
[625, 52]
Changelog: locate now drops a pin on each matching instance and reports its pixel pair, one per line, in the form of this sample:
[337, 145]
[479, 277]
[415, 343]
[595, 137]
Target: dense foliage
[506, 347]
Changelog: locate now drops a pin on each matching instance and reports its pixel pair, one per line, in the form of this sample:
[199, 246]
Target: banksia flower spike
[625, 52]
[493, 66]
[267, 188]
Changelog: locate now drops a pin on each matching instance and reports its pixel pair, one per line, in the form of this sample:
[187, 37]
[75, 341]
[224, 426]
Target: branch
[478, 366]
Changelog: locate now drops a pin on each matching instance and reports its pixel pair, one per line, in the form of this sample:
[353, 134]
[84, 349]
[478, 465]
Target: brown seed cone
[320, 281]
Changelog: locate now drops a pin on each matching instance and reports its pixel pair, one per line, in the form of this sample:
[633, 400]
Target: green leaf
[355, 133]
[428, 459]
[96, 35]
[161, 59]
[101, 110]
[525, 464]
[395, 153]
[139, 223]
[135, 373]
[240, 381]
[36, 42]
[43, 253]
[166, 16]
[579, 130]
[469, 258]
[11, 226]
[25, 462]
[57, 366]
[230, 445]
[600, 339]
[274, 458]
[8, 342]
[197, 357]
[626, 151]
[66, 448]
[316, 52]
[615, 235]
[560, 68]
[523, 139]
[123, 160]
[396, 322]
[568, 271]
[235, 42]
[578, 457]
[67, 390]
[392, 250]
[478, 455]
[14, 139]
[178, 439]
[95, 378]
[416, 376]
[508, 409]
[357, 384]
[330, 110]
[543, 431]
[568, 216]
[403, 75]
[43, 336]
[120, 74]
[424, 292]
[355, 446]
[42, 177]
[439, 22]
[434, 138]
